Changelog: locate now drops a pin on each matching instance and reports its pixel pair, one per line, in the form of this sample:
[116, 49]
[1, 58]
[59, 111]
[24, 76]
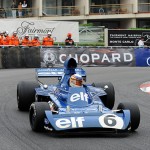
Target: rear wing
[56, 72]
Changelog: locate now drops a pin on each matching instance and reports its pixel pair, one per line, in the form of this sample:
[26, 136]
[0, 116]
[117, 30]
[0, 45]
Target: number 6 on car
[111, 121]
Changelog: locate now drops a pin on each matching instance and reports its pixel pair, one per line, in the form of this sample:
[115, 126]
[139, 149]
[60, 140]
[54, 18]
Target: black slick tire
[134, 111]
[25, 94]
[37, 115]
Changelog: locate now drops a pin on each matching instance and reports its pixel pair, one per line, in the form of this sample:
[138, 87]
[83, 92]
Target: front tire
[135, 114]
[37, 115]
[25, 94]
[109, 99]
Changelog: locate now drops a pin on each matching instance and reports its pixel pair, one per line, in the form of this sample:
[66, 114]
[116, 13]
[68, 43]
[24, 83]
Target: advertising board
[58, 29]
[127, 37]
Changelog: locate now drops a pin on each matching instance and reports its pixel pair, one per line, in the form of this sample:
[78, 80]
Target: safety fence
[19, 57]
[36, 57]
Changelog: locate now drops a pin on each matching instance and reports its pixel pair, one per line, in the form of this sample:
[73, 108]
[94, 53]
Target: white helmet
[14, 32]
[36, 36]
[6, 33]
[26, 36]
[49, 33]
[76, 80]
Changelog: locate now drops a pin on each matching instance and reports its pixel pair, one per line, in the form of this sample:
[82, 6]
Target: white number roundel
[111, 121]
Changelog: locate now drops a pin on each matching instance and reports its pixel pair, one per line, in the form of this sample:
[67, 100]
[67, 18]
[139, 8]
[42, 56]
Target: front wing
[109, 120]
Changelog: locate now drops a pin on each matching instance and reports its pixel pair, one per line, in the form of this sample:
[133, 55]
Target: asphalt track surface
[16, 134]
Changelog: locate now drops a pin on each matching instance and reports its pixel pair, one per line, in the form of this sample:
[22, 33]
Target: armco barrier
[11, 57]
[19, 57]
[35, 57]
[1, 66]
[30, 57]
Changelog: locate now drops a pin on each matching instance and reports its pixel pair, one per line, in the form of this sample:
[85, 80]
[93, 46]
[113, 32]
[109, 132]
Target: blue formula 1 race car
[71, 105]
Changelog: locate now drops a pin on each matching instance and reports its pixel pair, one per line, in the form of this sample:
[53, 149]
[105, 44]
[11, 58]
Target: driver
[76, 80]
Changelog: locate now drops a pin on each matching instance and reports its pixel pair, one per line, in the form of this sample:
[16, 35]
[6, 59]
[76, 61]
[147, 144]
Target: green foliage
[91, 44]
[59, 44]
[82, 44]
[139, 28]
[88, 24]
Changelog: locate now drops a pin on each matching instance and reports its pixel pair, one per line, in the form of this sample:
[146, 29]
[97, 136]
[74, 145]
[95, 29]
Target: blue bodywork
[77, 107]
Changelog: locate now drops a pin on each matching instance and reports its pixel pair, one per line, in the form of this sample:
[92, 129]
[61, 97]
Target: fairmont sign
[30, 28]
[58, 29]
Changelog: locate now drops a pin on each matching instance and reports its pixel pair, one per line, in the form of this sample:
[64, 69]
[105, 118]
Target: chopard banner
[41, 28]
[142, 57]
[51, 57]
[36, 57]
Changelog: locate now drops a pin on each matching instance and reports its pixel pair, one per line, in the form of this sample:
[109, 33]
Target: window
[108, 24]
[144, 7]
[143, 23]
[101, 2]
[68, 2]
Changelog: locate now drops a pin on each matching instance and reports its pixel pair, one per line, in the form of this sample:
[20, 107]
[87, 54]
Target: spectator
[6, 39]
[35, 41]
[69, 40]
[20, 9]
[14, 40]
[3, 13]
[48, 41]
[26, 41]
[24, 6]
[13, 6]
[141, 42]
[1, 37]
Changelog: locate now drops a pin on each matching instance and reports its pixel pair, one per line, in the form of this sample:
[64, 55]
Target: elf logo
[79, 96]
[72, 122]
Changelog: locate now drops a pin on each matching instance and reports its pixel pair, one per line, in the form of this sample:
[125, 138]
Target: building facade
[113, 14]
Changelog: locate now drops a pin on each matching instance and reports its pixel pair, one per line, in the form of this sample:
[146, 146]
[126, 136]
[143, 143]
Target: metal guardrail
[17, 13]
[144, 8]
[91, 34]
[111, 9]
[63, 11]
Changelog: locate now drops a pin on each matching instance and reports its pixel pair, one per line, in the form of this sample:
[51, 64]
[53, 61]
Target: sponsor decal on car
[106, 121]
[72, 122]
[111, 121]
[79, 96]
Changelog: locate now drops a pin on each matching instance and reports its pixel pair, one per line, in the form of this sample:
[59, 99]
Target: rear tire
[109, 99]
[135, 114]
[37, 115]
[25, 94]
